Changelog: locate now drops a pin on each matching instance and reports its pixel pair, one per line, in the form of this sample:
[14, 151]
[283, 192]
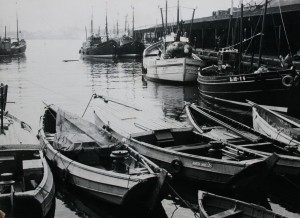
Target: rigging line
[255, 30]
[182, 200]
[50, 90]
[285, 33]
[88, 104]
[231, 46]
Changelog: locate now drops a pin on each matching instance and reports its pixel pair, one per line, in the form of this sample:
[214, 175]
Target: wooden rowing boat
[277, 126]
[173, 145]
[95, 162]
[225, 129]
[26, 182]
[215, 206]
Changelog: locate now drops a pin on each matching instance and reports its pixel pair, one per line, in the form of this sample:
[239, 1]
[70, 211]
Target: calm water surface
[42, 77]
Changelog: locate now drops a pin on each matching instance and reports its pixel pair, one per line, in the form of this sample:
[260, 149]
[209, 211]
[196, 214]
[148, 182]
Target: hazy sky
[56, 15]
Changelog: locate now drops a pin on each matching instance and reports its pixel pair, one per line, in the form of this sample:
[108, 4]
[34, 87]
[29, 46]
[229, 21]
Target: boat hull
[262, 126]
[266, 88]
[13, 51]
[211, 205]
[125, 189]
[286, 164]
[180, 70]
[40, 200]
[131, 50]
[195, 168]
[104, 50]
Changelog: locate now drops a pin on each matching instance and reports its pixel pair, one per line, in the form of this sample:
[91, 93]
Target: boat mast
[5, 32]
[192, 23]
[117, 28]
[92, 24]
[177, 15]
[2, 105]
[262, 33]
[166, 17]
[17, 28]
[106, 30]
[229, 26]
[126, 22]
[162, 22]
[132, 22]
[241, 36]
[85, 33]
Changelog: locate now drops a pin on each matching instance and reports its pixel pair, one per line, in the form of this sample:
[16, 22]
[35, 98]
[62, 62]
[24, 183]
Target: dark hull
[14, 51]
[104, 50]
[266, 88]
[131, 49]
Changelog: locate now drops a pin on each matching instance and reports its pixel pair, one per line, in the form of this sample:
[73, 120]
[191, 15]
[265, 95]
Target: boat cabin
[228, 57]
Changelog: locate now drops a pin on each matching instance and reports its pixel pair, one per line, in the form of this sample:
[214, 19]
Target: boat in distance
[174, 146]
[171, 67]
[277, 126]
[26, 180]
[215, 206]
[95, 162]
[222, 128]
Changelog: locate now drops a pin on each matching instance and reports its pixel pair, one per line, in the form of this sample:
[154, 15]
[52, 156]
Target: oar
[236, 131]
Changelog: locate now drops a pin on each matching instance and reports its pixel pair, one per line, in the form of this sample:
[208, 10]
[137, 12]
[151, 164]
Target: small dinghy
[277, 126]
[215, 206]
[26, 182]
[221, 128]
[94, 161]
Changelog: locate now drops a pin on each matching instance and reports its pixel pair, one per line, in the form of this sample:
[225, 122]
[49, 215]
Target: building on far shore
[212, 32]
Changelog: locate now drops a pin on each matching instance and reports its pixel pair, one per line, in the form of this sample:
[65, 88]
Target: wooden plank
[227, 213]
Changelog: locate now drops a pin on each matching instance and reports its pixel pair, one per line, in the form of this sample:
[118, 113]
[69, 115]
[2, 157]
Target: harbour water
[45, 76]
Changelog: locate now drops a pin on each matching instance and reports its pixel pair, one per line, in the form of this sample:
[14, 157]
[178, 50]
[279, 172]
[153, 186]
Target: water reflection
[86, 207]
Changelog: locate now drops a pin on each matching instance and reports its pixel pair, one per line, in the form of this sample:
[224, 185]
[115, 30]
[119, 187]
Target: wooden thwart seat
[196, 146]
[227, 213]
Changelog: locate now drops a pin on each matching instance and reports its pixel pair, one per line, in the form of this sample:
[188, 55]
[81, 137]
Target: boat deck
[17, 133]
[132, 120]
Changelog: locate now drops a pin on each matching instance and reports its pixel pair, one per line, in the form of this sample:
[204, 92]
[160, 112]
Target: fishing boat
[10, 46]
[277, 126]
[93, 161]
[230, 83]
[215, 206]
[130, 47]
[222, 128]
[175, 61]
[26, 182]
[97, 46]
[173, 145]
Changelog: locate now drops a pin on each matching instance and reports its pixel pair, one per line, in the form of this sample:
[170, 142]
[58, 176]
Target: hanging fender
[287, 80]
[176, 166]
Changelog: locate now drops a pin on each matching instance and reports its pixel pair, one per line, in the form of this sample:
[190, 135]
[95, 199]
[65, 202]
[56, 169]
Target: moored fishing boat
[277, 126]
[130, 47]
[222, 128]
[26, 180]
[98, 47]
[230, 82]
[175, 61]
[174, 145]
[11, 47]
[95, 162]
[211, 205]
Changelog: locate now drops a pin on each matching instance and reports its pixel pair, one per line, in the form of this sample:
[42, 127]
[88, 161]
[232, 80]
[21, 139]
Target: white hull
[260, 125]
[173, 70]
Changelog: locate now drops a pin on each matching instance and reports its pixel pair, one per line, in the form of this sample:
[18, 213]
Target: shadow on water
[87, 207]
